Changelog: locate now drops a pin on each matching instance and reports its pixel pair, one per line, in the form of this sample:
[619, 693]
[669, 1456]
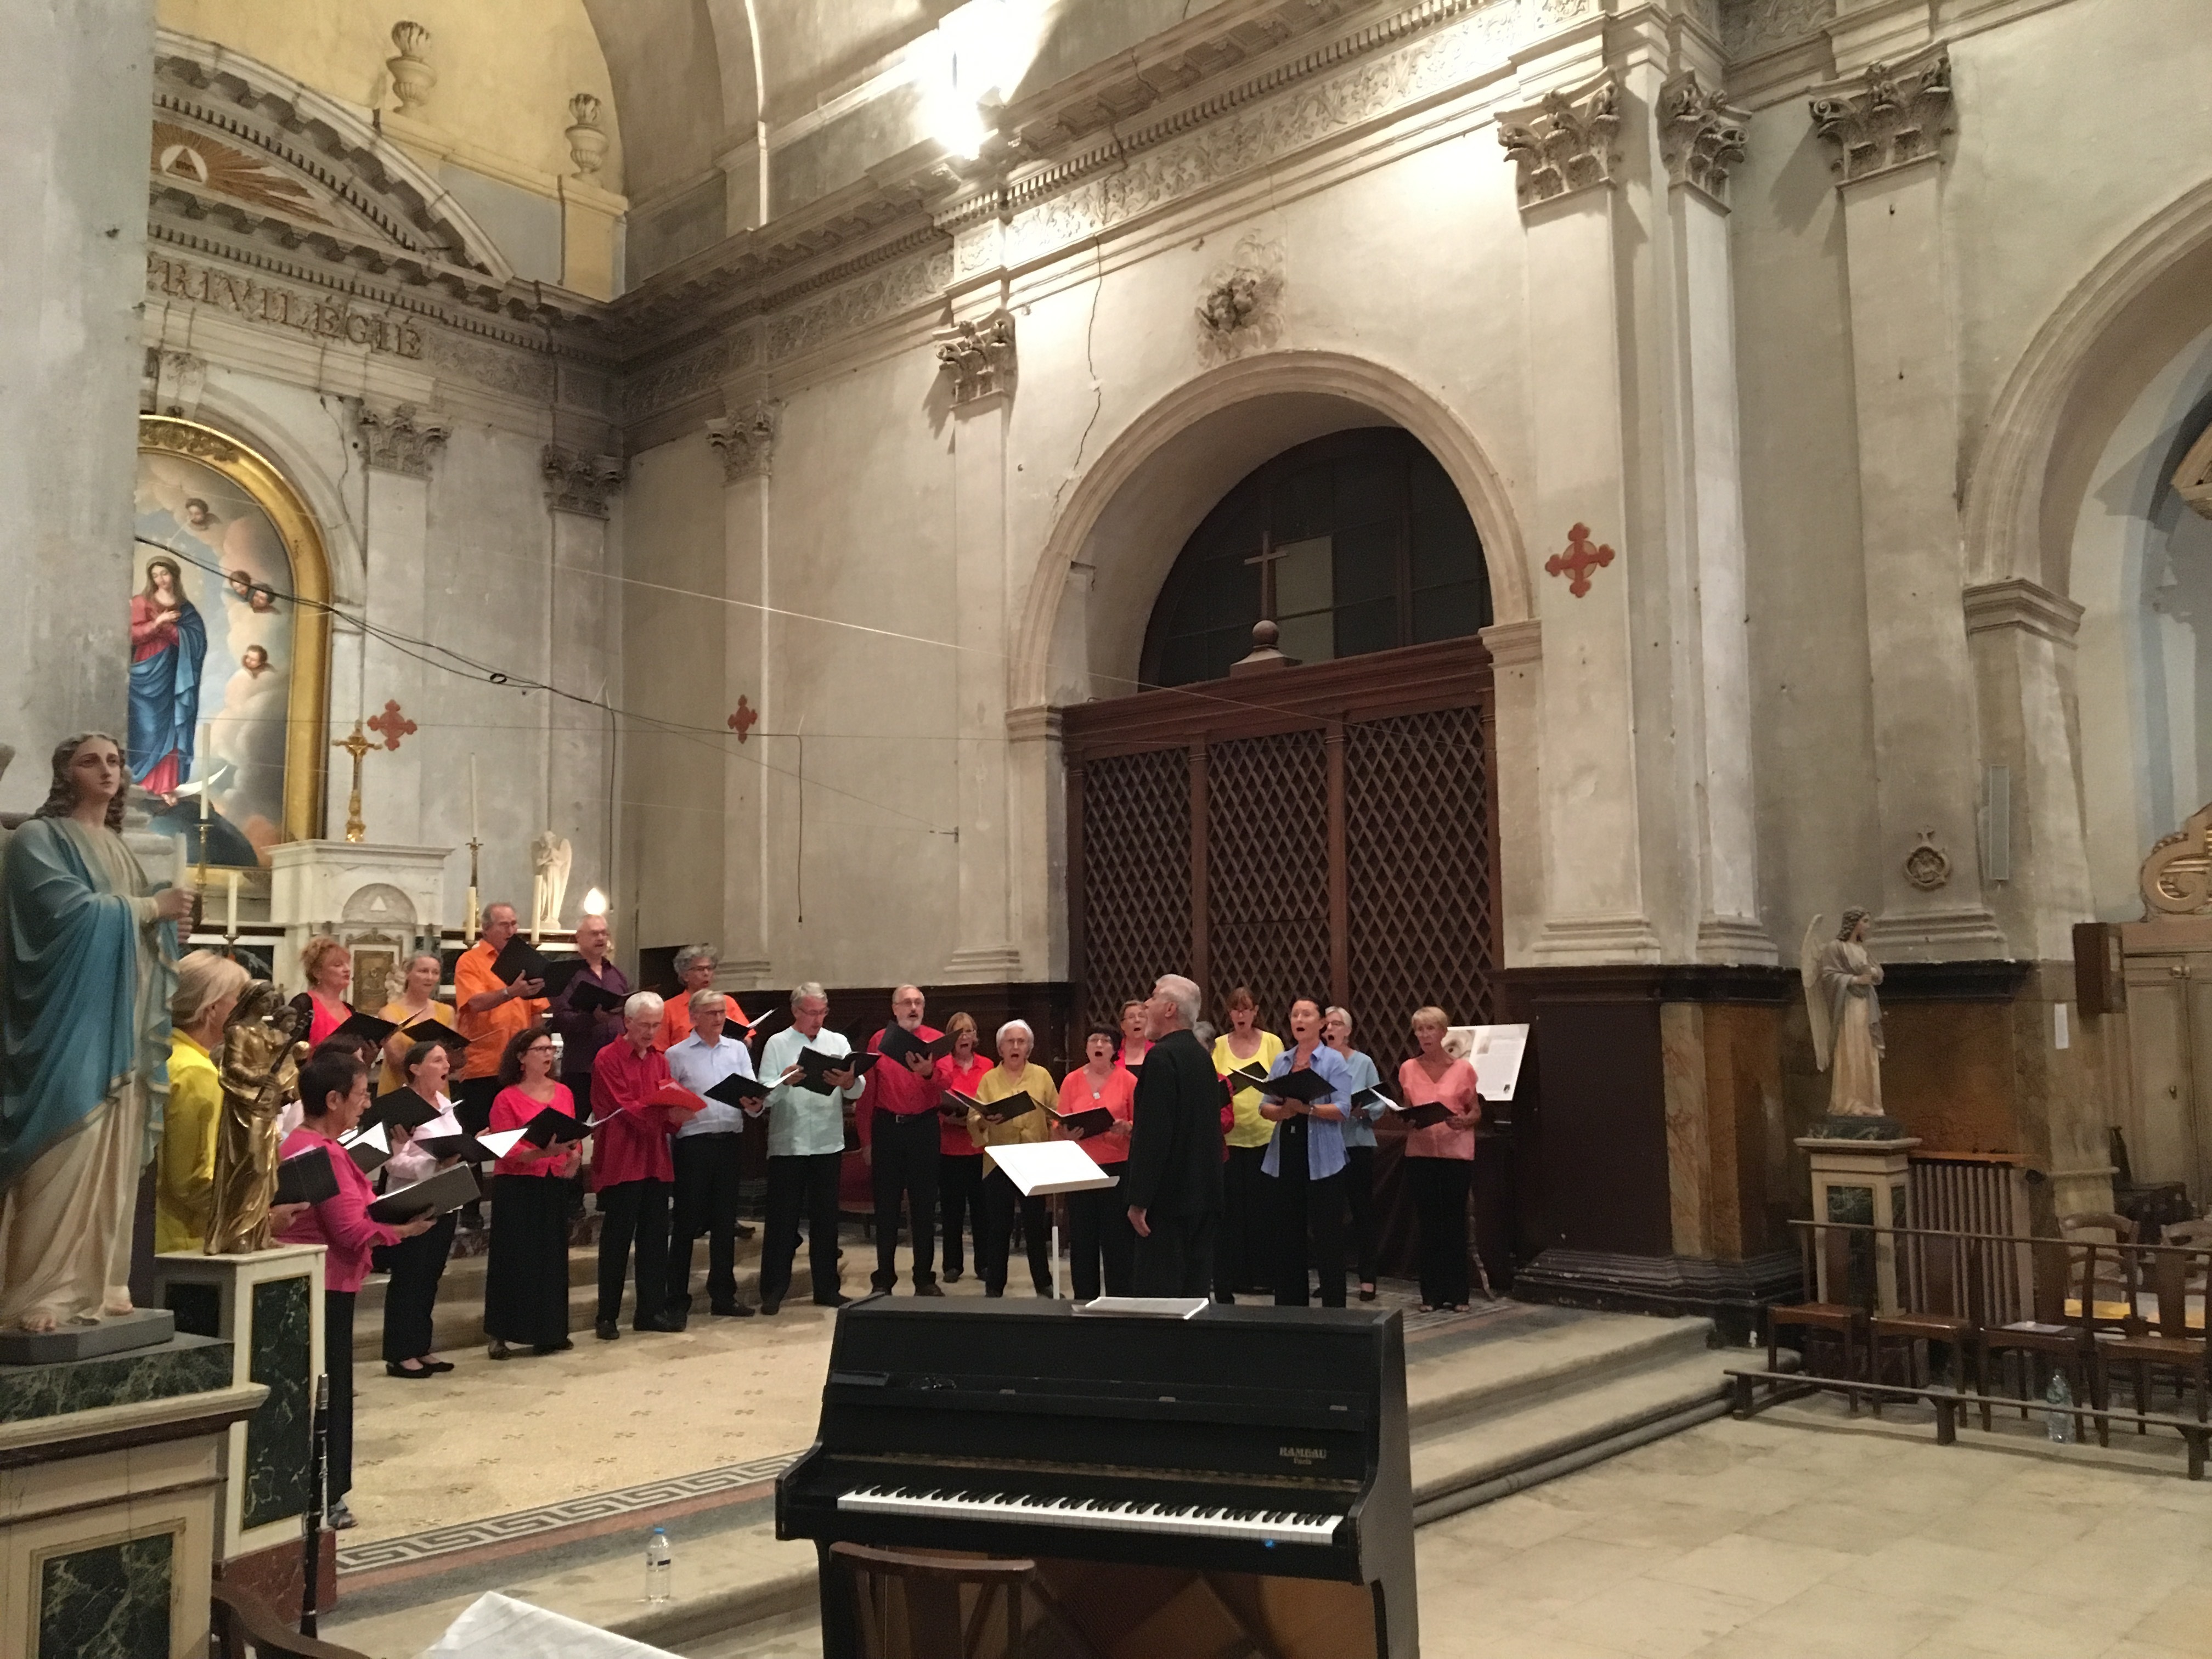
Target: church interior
[1598, 588]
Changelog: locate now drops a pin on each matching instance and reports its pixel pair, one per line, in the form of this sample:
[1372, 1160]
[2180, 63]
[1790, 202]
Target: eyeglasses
[540, 1049]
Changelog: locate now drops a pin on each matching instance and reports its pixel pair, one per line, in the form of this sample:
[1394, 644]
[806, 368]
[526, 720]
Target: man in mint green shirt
[805, 1145]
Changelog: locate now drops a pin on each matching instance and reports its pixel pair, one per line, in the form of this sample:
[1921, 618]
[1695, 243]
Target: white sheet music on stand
[1040, 1168]
[1496, 1052]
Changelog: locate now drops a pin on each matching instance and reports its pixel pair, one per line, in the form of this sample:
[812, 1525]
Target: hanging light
[595, 903]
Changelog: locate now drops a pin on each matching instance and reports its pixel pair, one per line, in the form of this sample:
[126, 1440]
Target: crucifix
[391, 726]
[1264, 653]
[1266, 558]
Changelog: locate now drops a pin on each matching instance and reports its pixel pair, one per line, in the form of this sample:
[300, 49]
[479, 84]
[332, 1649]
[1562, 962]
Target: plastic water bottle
[659, 1567]
[2057, 1404]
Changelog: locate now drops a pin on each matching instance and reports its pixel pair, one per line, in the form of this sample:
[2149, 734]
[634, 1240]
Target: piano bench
[925, 1618]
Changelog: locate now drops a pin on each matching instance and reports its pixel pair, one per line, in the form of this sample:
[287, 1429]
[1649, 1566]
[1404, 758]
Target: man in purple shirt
[584, 1033]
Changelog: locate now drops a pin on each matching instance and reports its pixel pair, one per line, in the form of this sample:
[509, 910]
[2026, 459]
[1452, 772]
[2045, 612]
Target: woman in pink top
[526, 1280]
[329, 967]
[333, 1094]
[1098, 1220]
[959, 1159]
[1440, 1159]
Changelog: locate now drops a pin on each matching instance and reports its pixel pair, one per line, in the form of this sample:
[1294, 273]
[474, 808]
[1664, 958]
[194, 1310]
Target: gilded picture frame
[305, 753]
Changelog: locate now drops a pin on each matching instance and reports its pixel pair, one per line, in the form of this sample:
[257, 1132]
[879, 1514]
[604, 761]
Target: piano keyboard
[1189, 1521]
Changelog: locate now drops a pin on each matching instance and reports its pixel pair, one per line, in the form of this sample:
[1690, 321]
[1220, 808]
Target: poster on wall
[214, 641]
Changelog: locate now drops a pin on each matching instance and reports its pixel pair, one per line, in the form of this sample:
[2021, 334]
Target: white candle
[230, 909]
[183, 874]
[476, 829]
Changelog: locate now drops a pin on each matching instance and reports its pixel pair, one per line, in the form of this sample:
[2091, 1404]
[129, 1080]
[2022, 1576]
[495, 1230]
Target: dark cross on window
[1266, 558]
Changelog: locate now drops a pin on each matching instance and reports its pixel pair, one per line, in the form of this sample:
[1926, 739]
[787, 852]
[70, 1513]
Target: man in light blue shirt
[805, 1147]
[707, 1164]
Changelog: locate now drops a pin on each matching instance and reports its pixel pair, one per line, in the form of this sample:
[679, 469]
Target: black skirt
[526, 1280]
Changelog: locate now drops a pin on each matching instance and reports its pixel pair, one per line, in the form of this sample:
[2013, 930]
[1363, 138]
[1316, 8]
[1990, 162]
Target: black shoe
[770, 1307]
[834, 1299]
[606, 1330]
[339, 1518]
[562, 1346]
[437, 1365]
[670, 1322]
[744, 1232]
[732, 1311]
[952, 1275]
[931, 1289]
[499, 1350]
[415, 1376]
[1366, 1292]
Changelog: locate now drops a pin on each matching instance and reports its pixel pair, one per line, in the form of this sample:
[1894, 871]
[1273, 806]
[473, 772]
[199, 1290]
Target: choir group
[515, 1079]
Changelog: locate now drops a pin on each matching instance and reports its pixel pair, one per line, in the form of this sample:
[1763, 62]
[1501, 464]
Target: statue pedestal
[110, 1479]
[382, 902]
[1860, 1181]
[267, 1309]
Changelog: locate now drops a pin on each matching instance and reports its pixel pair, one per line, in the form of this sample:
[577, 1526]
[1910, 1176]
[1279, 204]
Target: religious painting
[228, 641]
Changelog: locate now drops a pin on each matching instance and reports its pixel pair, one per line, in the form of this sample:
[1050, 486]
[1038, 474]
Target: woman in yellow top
[1245, 1249]
[207, 987]
[417, 1000]
[1013, 1075]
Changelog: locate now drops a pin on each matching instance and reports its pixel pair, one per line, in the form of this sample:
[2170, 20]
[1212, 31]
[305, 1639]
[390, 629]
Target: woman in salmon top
[1440, 1159]
[329, 968]
[959, 1159]
[1098, 1219]
[526, 1280]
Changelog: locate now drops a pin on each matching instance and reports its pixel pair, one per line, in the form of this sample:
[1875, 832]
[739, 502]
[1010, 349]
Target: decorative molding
[1701, 135]
[587, 139]
[2192, 479]
[671, 382]
[171, 279]
[1621, 938]
[1886, 118]
[1036, 723]
[745, 442]
[1749, 28]
[2176, 878]
[399, 440]
[412, 77]
[977, 357]
[1927, 866]
[2018, 603]
[518, 372]
[1565, 143]
[1240, 309]
[579, 484]
[902, 287]
[1969, 931]
[1515, 644]
[179, 378]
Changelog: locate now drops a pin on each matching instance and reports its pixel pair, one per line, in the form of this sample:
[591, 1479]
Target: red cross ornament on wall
[1582, 556]
[744, 719]
[392, 725]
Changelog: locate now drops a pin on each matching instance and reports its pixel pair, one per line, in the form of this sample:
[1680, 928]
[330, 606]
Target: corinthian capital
[1564, 143]
[1888, 116]
[1701, 136]
[400, 439]
[576, 482]
[745, 441]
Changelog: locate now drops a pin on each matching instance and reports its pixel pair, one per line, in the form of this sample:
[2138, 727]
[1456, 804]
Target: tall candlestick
[476, 827]
[183, 873]
[230, 909]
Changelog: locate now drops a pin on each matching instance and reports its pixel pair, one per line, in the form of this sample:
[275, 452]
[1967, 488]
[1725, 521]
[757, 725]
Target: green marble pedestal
[1864, 1181]
[268, 1309]
[110, 1481]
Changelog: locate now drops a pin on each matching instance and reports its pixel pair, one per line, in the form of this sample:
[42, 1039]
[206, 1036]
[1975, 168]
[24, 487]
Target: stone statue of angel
[1846, 1010]
[550, 858]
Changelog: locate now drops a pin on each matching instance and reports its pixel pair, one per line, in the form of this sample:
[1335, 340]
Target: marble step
[1464, 1386]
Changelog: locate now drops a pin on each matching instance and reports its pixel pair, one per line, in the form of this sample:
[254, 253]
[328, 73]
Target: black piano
[1254, 1457]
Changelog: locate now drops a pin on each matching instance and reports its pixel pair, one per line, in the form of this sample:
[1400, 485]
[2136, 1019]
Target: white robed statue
[88, 964]
[1846, 1010]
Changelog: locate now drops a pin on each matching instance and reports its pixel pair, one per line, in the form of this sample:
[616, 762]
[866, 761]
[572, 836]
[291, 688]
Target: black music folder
[519, 959]
[813, 1063]
[1014, 1106]
[401, 1106]
[446, 1190]
[435, 1030]
[1422, 1117]
[1250, 1075]
[306, 1178]
[370, 1149]
[1085, 1121]
[899, 1042]
[746, 1092]
[365, 1025]
[552, 1127]
[587, 996]
[1304, 1087]
[1370, 1099]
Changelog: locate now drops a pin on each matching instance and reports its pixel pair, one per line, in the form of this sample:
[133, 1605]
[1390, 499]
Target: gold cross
[357, 745]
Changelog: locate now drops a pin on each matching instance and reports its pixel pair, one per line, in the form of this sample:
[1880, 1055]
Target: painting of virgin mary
[168, 644]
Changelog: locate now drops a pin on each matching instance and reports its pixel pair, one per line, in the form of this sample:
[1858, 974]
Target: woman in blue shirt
[1358, 1146]
[1306, 1158]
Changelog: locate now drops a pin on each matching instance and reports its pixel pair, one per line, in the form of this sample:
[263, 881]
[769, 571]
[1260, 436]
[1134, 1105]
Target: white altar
[383, 901]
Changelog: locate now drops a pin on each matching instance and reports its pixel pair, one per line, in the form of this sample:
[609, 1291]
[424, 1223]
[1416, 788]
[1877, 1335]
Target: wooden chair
[2050, 1337]
[922, 1619]
[245, 1628]
[1940, 1278]
[2164, 1340]
[1817, 1244]
[2109, 1280]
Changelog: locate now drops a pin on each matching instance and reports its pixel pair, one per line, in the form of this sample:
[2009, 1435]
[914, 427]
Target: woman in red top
[1098, 1220]
[959, 1159]
[333, 1094]
[526, 1279]
[1134, 1046]
[1440, 1159]
[329, 968]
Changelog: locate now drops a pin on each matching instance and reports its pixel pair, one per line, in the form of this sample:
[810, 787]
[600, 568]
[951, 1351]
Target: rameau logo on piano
[1304, 1454]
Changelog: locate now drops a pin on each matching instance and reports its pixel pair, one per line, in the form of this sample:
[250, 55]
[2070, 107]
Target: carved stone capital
[576, 482]
[1887, 116]
[744, 441]
[977, 357]
[1565, 143]
[1701, 135]
[2015, 602]
[400, 439]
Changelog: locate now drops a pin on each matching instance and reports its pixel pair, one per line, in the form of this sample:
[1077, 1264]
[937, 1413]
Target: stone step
[1457, 1389]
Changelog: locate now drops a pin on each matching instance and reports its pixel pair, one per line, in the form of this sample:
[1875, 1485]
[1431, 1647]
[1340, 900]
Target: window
[1370, 546]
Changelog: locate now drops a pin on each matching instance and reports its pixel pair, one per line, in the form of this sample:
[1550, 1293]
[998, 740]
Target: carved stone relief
[977, 358]
[745, 441]
[400, 439]
[1240, 306]
[1565, 143]
[1701, 135]
[1927, 866]
[1886, 118]
[576, 482]
[1751, 26]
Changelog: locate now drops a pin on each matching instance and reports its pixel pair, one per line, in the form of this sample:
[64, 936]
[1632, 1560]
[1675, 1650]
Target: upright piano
[1242, 1470]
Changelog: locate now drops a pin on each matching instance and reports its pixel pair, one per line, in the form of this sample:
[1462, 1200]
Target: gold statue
[262, 1048]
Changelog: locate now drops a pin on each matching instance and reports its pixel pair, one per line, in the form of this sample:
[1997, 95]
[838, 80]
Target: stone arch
[2137, 306]
[1161, 474]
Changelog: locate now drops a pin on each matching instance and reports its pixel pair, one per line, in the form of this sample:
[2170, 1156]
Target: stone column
[397, 445]
[1883, 129]
[1568, 154]
[584, 625]
[73, 266]
[745, 438]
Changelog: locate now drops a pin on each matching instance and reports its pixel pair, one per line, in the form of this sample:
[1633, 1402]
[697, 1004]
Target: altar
[383, 902]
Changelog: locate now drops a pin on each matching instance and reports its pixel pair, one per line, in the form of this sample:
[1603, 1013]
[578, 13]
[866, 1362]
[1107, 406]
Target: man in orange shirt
[695, 967]
[488, 1014]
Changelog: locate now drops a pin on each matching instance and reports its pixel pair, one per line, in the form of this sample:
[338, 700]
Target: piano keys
[1254, 1458]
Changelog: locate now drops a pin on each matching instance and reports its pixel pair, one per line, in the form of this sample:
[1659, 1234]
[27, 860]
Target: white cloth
[496, 1626]
[699, 1068]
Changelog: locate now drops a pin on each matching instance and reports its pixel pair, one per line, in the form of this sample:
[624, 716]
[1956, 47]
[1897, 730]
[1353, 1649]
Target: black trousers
[1000, 1200]
[903, 1160]
[337, 1365]
[1310, 1218]
[797, 1186]
[707, 1170]
[526, 1278]
[415, 1266]
[1175, 1258]
[959, 1197]
[1098, 1227]
[1359, 1196]
[633, 1211]
[1439, 1187]
[1244, 1249]
[472, 1099]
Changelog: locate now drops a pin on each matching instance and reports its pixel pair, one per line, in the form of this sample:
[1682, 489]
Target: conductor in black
[1172, 1181]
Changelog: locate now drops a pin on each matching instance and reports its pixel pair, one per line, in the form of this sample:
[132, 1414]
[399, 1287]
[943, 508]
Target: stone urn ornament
[587, 139]
[412, 77]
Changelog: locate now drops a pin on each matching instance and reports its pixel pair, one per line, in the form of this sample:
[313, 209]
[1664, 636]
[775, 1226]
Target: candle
[183, 874]
[476, 829]
[230, 908]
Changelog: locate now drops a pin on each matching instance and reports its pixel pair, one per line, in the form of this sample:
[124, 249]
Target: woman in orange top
[1440, 1159]
[1098, 1220]
[959, 1159]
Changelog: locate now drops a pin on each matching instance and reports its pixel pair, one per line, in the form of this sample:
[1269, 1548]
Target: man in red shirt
[631, 1169]
[900, 1101]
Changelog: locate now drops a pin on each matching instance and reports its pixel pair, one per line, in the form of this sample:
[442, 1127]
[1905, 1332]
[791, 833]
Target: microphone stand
[318, 1451]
